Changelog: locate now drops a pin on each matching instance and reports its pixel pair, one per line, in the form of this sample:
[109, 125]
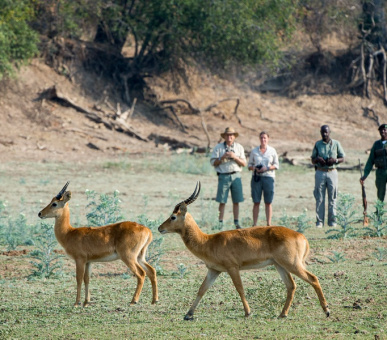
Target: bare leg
[86, 279]
[221, 211]
[236, 279]
[269, 212]
[207, 283]
[255, 213]
[235, 210]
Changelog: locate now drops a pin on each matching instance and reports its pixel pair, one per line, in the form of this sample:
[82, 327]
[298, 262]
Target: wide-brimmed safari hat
[229, 131]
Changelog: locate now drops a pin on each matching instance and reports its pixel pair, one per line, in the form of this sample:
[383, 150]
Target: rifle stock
[364, 199]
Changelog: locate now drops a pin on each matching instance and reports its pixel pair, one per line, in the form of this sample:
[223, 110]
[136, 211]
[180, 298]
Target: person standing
[263, 162]
[378, 157]
[326, 155]
[228, 158]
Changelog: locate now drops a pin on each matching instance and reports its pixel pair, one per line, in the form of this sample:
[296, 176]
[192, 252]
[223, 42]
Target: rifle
[364, 197]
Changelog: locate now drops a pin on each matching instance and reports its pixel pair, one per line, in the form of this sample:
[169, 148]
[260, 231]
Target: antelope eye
[54, 204]
[173, 217]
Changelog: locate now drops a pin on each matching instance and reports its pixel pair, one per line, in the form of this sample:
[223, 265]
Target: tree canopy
[18, 42]
[165, 33]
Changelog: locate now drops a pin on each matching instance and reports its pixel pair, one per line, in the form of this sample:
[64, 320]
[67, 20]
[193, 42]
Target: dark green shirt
[371, 159]
[332, 149]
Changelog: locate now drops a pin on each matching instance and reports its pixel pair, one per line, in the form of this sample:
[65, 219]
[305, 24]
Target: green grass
[44, 308]
[149, 188]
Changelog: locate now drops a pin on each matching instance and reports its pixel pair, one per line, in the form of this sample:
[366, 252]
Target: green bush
[346, 216]
[105, 210]
[18, 42]
[46, 262]
[378, 223]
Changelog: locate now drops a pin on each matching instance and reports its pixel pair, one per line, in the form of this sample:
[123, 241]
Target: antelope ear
[183, 208]
[67, 196]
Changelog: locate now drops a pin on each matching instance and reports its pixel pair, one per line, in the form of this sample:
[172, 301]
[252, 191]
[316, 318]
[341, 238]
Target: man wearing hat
[378, 157]
[228, 158]
[326, 155]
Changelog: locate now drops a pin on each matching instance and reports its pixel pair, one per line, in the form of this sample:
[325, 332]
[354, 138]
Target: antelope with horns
[243, 249]
[127, 241]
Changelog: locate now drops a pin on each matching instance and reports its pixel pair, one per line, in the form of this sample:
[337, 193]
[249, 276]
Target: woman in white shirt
[263, 162]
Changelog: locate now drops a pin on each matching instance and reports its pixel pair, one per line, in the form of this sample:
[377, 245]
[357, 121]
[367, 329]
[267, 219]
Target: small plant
[181, 270]
[346, 215]
[15, 231]
[106, 211]
[46, 262]
[337, 257]
[3, 216]
[380, 254]
[285, 219]
[303, 222]
[378, 226]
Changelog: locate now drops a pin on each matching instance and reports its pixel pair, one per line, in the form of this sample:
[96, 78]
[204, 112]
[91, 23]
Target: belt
[226, 173]
[326, 169]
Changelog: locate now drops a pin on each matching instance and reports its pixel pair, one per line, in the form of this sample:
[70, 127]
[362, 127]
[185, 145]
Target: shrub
[377, 227]
[106, 211]
[46, 262]
[346, 215]
[18, 42]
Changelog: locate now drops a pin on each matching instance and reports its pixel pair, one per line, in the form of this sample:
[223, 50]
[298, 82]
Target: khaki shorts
[230, 182]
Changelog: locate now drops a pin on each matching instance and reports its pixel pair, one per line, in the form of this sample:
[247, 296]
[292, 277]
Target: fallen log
[118, 124]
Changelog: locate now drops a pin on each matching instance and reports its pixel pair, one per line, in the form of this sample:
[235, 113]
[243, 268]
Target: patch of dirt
[15, 252]
[41, 130]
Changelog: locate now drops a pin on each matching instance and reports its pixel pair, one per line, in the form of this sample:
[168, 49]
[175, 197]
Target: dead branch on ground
[113, 123]
[200, 112]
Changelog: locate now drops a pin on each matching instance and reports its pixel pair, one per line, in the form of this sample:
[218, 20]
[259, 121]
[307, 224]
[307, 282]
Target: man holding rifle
[378, 157]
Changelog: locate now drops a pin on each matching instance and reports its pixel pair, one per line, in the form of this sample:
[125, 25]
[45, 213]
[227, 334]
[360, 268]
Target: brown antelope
[127, 241]
[243, 249]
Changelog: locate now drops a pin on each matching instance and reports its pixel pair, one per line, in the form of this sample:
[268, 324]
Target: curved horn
[59, 196]
[190, 199]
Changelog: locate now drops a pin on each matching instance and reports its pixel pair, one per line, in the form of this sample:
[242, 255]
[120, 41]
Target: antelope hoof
[154, 302]
[133, 303]
[247, 315]
[188, 317]
[86, 304]
[282, 316]
[327, 313]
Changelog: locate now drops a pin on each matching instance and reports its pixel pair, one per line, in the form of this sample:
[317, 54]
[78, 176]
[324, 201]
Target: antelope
[127, 241]
[243, 249]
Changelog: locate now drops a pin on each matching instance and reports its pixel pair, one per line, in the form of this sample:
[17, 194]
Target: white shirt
[228, 165]
[266, 159]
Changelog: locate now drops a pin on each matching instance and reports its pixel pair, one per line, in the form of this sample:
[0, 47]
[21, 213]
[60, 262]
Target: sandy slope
[43, 130]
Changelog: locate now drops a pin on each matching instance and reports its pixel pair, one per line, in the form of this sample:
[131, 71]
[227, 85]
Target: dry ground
[39, 130]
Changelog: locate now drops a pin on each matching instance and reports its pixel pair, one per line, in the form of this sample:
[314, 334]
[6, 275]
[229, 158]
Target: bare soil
[42, 130]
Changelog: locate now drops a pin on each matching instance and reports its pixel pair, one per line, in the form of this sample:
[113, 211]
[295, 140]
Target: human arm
[369, 165]
[315, 158]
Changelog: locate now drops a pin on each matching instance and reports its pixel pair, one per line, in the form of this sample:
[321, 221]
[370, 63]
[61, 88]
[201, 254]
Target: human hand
[331, 161]
[229, 155]
[320, 160]
[261, 169]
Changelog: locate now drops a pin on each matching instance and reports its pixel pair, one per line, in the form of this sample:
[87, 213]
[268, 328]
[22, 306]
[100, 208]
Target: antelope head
[55, 208]
[175, 222]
